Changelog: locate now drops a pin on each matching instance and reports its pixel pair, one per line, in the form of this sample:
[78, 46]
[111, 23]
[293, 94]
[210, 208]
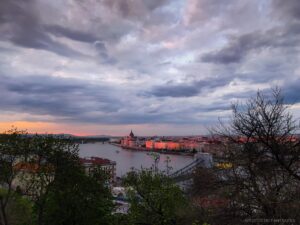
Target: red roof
[255, 139]
[31, 167]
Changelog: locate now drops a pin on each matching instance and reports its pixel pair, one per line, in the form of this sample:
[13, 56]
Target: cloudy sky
[159, 67]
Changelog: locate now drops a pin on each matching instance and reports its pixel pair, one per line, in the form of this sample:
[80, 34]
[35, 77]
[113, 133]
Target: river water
[127, 159]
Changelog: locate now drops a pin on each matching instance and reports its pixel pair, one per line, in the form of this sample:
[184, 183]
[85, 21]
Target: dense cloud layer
[144, 61]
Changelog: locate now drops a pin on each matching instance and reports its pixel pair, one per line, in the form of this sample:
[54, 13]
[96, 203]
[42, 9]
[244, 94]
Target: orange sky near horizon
[40, 127]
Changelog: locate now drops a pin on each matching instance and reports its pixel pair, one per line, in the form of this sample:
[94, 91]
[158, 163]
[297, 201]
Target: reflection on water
[126, 159]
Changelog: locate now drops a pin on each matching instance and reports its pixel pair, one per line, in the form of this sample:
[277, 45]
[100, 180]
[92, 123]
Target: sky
[158, 67]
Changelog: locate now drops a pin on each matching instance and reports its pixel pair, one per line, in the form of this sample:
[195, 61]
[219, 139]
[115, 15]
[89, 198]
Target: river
[126, 159]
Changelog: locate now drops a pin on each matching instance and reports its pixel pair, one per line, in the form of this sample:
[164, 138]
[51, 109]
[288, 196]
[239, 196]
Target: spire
[131, 134]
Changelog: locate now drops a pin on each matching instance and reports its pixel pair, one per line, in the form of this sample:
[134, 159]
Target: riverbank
[143, 149]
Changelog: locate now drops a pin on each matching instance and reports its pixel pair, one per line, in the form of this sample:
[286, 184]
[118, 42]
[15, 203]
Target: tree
[13, 147]
[154, 198]
[47, 154]
[209, 196]
[18, 209]
[268, 122]
[264, 150]
[46, 170]
[75, 198]
[61, 190]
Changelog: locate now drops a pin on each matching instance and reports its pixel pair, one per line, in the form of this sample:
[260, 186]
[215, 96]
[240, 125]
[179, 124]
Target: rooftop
[32, 167]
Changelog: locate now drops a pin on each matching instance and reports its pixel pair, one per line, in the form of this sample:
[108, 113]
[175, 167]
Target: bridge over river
[183, 176]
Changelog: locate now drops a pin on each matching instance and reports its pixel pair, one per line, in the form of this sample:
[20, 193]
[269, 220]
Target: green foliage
[69, 195]
[154, 198]
[55, 188]
[13, 147]
[77, 199]
[120, 219]
[18, 210]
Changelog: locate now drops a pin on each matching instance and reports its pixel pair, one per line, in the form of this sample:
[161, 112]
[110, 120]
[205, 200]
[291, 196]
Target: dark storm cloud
[54, 96]
[134, 118]
[282, 36]
[70, 100]
[20, 24]
[235, 50]
[205, 10]
[71, 34]
[133, 9]
[291, 91]
[289, 9]
[103, 53]
[142, 118]
[240, 96]
[239, 46]
[183, 90]
[40, 85]
[154, 4]
[187, 90]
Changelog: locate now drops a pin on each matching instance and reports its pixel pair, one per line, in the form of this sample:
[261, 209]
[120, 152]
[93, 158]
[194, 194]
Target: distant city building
[173, 145]
[191, 145]
[150, 144]
[108, 166]
[212, 144]
[160, 145]
[129, 141]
